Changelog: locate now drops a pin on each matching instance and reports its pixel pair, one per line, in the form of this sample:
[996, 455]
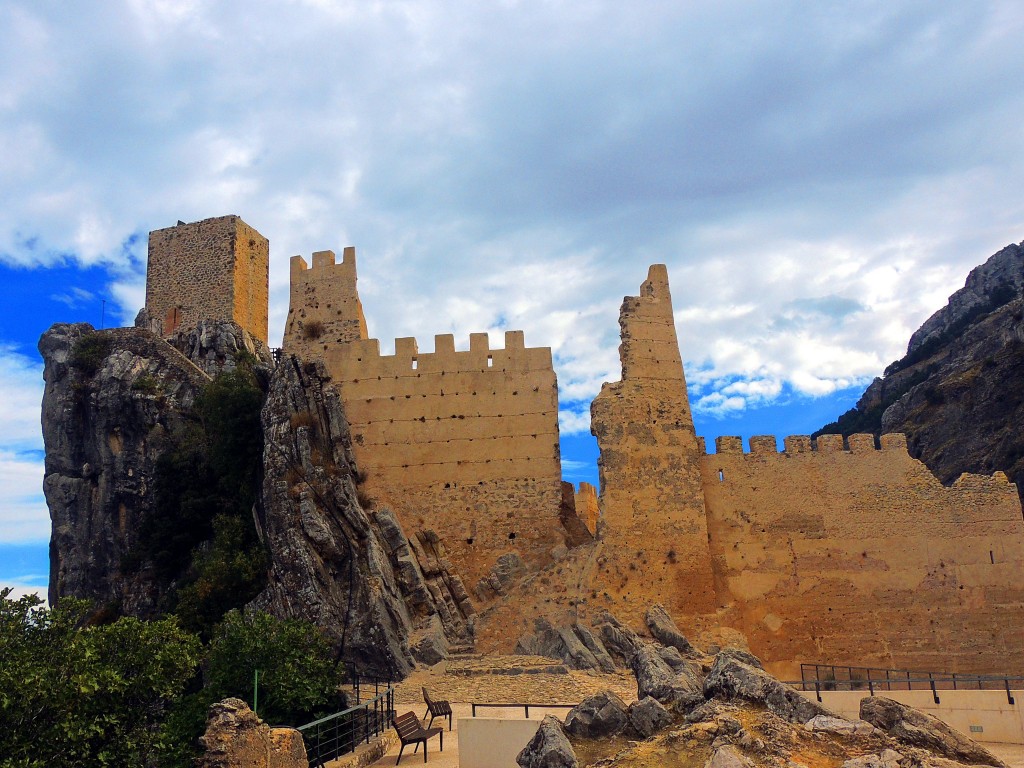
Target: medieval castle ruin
[843, 551]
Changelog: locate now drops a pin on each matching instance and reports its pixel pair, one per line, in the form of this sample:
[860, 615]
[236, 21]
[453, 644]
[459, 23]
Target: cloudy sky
[818, 176]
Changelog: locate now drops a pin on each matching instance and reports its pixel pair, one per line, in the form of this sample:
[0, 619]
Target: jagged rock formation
[236, 738]
[957, 394]
[113, 404]
[112, 400]
[330, 564]
[739, 717]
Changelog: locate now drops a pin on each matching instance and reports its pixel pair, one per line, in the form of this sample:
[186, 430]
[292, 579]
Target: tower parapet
[324, 308]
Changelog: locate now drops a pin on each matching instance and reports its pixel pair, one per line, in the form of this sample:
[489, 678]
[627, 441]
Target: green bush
[89, 352]
[201, 534]
[75, 695]
[298, 678]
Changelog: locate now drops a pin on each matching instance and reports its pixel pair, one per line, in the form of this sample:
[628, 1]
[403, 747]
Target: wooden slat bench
[411, 731]
[437, 709]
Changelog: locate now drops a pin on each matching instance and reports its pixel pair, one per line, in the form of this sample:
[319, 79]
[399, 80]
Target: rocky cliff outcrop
[112, 401]
[117, 401]
[331, 564]
[957, 394]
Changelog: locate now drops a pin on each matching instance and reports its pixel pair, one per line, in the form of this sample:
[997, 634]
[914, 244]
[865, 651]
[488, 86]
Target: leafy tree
[85, 695]
[298, 678]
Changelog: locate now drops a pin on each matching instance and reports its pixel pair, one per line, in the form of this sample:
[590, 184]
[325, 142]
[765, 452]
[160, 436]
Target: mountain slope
[958, 393]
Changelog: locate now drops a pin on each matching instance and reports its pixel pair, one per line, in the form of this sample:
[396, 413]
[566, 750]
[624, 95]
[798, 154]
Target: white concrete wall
[982, 715]
[488, 742]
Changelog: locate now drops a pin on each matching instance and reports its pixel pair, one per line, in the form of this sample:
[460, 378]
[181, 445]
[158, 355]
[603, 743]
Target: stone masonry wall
[651, 498]
[863, 557]
[324, 308]
[212, 269]
[464, 443]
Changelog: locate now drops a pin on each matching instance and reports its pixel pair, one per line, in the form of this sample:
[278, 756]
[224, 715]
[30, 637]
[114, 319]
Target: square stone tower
[211, 269]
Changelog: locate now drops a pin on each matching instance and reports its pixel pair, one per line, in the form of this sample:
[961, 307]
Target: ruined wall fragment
[651, 497]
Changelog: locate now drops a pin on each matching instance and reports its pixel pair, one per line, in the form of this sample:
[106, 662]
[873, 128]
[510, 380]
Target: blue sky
[818, 177]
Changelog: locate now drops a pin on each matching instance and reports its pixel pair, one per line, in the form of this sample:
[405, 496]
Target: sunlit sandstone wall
[656, 537]
[587, 508]
[464, 443]
[215, 268]
[862, 556]
[324, 307]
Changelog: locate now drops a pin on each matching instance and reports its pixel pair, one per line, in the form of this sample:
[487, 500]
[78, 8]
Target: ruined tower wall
[324, 307]
[212, 269]
[651, 498]
[862, 556]
[464, 443]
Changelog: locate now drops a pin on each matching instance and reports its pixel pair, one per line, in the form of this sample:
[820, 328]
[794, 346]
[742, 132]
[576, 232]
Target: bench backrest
[426, 697]
[406, 725]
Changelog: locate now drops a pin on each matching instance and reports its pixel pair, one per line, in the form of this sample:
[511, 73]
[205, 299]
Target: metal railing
[340, 733]
[836, 677]
[526, 707]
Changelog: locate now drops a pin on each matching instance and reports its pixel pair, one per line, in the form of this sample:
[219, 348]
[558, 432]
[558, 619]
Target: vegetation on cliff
[202, 535]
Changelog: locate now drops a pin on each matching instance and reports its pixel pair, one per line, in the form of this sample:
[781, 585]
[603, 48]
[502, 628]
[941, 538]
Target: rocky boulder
[665, 631]
[574, 645]
[658, 680]
[919, 729]
[549, 748]
[730, 678]
[888, 758]
[597, 716]
[728, 756]
[236, 738]
[839, 725]
[620, 641]
[646, 717]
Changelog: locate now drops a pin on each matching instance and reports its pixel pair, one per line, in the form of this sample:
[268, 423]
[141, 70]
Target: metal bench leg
[424, 750]
[400, 753]
[441, 734]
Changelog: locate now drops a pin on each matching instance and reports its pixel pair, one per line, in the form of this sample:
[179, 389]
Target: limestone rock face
[112, 400]
[597, 716]
[888, 758]
[329, 564]
[919, 729]
[236, 738]
[620, 640]
[730, 678]
[214, 346]
[549, 748]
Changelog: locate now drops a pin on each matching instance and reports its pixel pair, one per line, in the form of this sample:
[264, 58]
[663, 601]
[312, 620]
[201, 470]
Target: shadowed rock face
[549, 748]
[332, 563]
[107, 418]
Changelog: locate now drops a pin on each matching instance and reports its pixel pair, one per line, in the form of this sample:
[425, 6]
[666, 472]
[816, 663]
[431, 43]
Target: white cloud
[23, 513]
[817, 178]
[573, 423]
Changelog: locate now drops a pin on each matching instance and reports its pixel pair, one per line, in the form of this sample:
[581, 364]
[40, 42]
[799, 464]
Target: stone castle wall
[861, 556]
[212, 269]
[464, 443]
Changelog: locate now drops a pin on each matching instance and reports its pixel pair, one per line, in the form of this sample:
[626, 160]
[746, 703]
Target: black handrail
[878, 679]
[330, 737]
[526, 707]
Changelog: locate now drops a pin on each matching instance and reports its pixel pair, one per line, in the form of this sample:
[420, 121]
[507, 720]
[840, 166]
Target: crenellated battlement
[325, 265]
[363, 357]
[768, 444]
